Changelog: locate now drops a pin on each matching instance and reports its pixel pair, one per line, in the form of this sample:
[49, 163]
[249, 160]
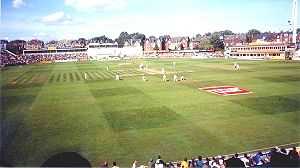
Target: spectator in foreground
[184, 163]
[192, 163]
[235, 161]
[294, 158]
[159, 163]
[134, 164]
[151, 163]
[207, 163]
[115, 165]
[104, 165]
[199, 162]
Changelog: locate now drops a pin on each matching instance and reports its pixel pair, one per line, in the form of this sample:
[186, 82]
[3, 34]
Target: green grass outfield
[48, 109]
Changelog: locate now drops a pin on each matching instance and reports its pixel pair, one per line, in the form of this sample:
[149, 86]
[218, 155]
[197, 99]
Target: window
[251, 54]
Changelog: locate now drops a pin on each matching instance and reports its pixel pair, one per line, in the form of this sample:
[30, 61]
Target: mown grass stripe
[27, 79]
[51, 79]
[104, 76]
[64, 77]
[90, 76]
[71, 77]
[18, 78]
[109, 73]
[34, 79]
[95, 76]
[58, 77]
[77, 76]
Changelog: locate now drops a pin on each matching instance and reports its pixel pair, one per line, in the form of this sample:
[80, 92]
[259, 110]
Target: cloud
[57, 18]
[85, 5]
[18, 3]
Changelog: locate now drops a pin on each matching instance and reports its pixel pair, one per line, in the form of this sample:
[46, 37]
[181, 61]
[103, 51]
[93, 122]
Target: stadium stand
[274, 157]
[8, 58]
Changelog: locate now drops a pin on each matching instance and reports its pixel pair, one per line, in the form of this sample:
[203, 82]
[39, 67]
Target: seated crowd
[10, 59]
[274, 158]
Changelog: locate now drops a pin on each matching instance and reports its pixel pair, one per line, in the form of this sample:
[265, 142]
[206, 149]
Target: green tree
[252, 35]
[216, 42]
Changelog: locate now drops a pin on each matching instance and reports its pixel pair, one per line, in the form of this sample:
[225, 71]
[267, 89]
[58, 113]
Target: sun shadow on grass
[66, 159]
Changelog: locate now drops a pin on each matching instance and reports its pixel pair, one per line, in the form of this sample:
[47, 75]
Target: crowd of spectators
[11, 59]
[276, 157]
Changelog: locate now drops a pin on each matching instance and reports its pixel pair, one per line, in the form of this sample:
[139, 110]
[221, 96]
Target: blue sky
[71, 19]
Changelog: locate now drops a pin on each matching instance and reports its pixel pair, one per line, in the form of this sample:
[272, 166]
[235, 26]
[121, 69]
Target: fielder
[85, 76]
[236, 66]
[164, 78]
[117, 77]
[163, 71]
[175, 78]
[182, 78]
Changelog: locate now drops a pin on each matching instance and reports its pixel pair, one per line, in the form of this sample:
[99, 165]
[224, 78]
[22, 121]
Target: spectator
[207, 163]
[277, 159]
[199, 162]
[257, 159]
[214, 163]
[115, 165]
[184, 163]
[247, 160]
[170, 165]
[134, 164]
[294, 158]
[192, 163]
[159, 163]
[104, 165]
[151, 163]
[235, 161]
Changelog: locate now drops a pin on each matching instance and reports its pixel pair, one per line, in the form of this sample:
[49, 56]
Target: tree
[143, 42]
[188, 42]
[101, 39]
[227, 32]
[156, 47]
[216, 42]
[163, 43]
[252, 35]
[205, 43]
[124, 36]
[82, 42]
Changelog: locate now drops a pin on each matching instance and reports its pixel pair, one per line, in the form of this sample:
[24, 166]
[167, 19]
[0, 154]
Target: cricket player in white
[164, 78]
[175, 78]
[117, 77]
[236, 66]
[162, 70]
